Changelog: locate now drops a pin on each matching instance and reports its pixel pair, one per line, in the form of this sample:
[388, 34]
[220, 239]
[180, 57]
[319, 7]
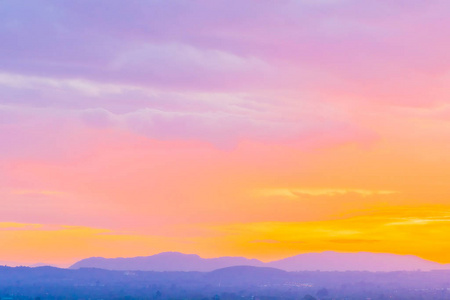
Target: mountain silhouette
[324, 261]
[166, 261]
[360, 261]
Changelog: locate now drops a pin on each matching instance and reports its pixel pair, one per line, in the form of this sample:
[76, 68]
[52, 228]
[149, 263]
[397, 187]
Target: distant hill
[360, 261]
[16, 264]
[166, 261]
[247, 275]
[41, 265]
[247, 271]
[10, 263]
[324, 261]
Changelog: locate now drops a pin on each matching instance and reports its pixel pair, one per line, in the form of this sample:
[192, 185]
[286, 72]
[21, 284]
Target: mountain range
[324, 261]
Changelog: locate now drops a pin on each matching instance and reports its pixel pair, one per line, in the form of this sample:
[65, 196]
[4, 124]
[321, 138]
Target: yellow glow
[397, 230]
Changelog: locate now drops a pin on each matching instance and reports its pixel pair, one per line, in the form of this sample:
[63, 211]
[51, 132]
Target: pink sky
[203, 126]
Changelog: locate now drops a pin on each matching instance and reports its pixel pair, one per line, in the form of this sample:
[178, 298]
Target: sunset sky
[262, 129]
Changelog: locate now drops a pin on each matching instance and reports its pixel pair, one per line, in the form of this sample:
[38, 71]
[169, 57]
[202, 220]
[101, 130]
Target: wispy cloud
[38, 192]
[298, 192]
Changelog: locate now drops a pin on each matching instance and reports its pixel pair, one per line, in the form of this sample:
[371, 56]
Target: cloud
[355, 50]
[18, 226]
[298, 192]
[419, 221]
[224, 130]
[221, 119]
[47, 193]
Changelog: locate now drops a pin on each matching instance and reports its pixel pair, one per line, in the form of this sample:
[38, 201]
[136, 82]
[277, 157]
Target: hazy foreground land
[242, 282]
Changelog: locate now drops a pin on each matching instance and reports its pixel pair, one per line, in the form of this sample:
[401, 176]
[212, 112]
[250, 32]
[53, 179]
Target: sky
[262, 129]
